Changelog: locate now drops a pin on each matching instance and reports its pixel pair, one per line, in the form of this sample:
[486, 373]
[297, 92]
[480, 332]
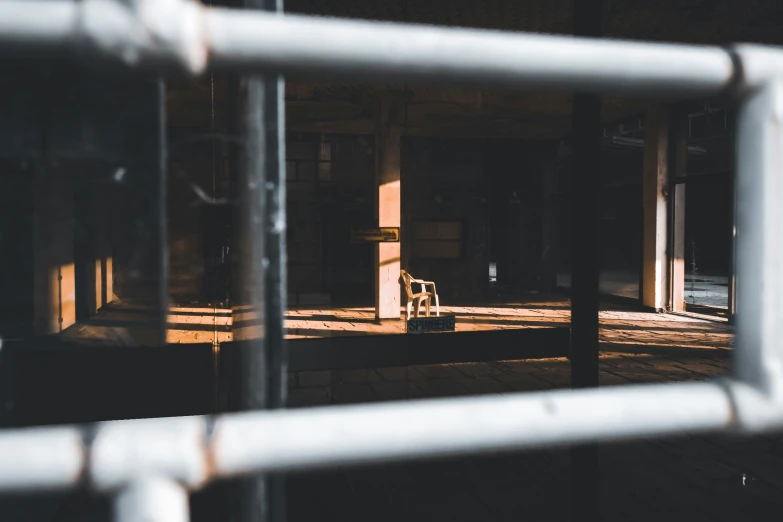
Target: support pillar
[655, 194]
[732, 297]
[586, 177]
[678, 250]
[104, 259]
[262, 276]
[679, 159]
[54, 306]
[387, 208]
[92, 245]
[549, 227]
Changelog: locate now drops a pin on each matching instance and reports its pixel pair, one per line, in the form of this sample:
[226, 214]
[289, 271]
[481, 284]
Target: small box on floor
[444, 323]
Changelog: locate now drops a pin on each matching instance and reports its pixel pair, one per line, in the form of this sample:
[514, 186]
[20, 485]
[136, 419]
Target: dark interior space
[211, 244]
[16, 243]
[708, 226]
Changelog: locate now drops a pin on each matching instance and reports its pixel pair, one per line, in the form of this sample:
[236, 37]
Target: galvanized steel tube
[49, 23]
[41, 458]
[286, 440]
[367, 50]
[337, 436]
[328, 48]
[759, 251]
[152, 499]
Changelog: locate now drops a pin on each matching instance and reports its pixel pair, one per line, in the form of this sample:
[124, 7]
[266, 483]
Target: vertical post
[759, 191]
[679, 165]
[677, 291]
[253, 372]
[655, 188]
[261, 191]
[276, 274]
[55, 276]
[152, 499]
[158, 218]
[387, 208]
[549, 222]
[141, 192]
[276, 282]
[732, 281]
[585, 477]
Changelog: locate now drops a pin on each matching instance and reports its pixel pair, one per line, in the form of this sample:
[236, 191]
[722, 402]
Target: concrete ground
[121, 324]
[702, 290]
[707, 290]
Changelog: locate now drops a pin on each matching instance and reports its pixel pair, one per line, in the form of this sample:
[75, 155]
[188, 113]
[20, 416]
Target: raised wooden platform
[55, 380]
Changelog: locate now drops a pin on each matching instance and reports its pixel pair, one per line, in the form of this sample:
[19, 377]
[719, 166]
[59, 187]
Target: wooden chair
[423, 296]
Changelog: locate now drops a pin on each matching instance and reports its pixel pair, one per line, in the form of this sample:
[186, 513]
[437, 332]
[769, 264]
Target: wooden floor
[122, 323]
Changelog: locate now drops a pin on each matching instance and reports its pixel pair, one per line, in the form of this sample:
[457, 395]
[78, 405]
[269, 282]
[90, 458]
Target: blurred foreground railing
[149, 465]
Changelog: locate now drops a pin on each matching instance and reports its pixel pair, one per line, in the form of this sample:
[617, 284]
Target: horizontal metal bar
[51, 23]
[286, 440]
[339, 436]
[385, 51]
[48, 458]
[332, 48]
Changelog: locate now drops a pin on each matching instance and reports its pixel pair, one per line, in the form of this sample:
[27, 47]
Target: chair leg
[427, 303]
[437, 306]
[408, 310]
[416, 308]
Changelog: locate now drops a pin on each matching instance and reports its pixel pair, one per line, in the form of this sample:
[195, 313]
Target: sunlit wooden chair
[423, 296]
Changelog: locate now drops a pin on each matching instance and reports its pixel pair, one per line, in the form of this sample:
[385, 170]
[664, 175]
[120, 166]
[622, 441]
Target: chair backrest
[406, 279]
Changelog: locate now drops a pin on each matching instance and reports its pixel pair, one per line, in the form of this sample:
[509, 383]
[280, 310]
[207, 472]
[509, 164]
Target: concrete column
[679, 129]
[104, 270]
[678, 257]
[92, 245]
[549, 224]
[655, 186]
[54, 306]
[732, 297]
[387, 208]
[585, 180]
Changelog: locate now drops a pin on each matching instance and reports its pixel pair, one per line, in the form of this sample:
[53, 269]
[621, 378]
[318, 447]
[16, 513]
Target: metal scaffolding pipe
[759, 251]
[329, 48]
[326, 47]
[338, 436]
[313, 438]
[49, 23]
[152, 499]
[42, 458]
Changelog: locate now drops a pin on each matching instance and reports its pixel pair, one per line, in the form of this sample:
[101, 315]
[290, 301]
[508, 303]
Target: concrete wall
[94, 259]
[353, 169]
[443, 180]
[491, 188]
[201, 164]
[708, 225]
[53, 251]
[16, 245]
[515, 170]
[325, 200]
